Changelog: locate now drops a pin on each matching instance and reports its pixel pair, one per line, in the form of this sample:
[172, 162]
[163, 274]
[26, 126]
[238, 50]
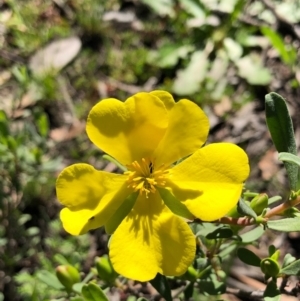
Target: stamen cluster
[144, 177]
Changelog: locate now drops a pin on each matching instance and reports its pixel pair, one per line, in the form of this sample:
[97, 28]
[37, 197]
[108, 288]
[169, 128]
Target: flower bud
[270, 267]
[67, 275]
[105, 269]
[259, 203]
[191, 274]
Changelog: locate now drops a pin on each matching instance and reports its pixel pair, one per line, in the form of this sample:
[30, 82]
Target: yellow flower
[148, 133]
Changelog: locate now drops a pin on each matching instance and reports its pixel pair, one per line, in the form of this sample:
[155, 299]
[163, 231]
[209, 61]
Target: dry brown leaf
[67, 133]
[268, 165]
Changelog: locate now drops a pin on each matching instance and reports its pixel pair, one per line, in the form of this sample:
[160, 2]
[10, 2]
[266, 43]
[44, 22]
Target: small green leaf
[42, 123]
[77, 287]
[248, 257]
[274, 199]
[173, 204]
[221, 232]
[252, 235]
[188, 80]
[212, 285]
[160, 283]
[287, 157]
[285, 225]
[202, 263]
[189, 290]
[4, 124]
[92, 292]
[250, 68]
[50, 279]
[282, 132]
[272, 293]
[287, 260]
[278, 43]
[121, 213]
[271, 250]
[291, 269]
[245, 209]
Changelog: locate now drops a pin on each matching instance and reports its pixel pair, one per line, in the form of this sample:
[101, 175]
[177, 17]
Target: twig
[248, 221]
[245, 294]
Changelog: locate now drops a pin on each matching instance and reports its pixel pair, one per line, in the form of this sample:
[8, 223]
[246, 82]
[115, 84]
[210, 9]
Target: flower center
[144, 176]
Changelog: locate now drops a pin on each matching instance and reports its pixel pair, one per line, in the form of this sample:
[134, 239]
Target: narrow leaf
[121, 213]
[245, 209]
[50, 279]
[160, 283]
[285, 225]
[274, 199]
[252, 235]
[287, 157]
[278, 43]
[248, 257]
[282, 132]
[173, 204]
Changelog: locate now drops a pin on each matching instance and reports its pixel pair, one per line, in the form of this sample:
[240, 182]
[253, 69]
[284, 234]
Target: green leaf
[287, 55]
[195, 8]
[189, 290]
[221, 232]
[161, 7]
[121, 213]
[50, 279]
[4, 124]
[282, 132]
[77, 287]
[287, 157]
[42, 123]
[251, 69]
[287, 260]
[245, 209]
[169, 54]
[160, 283]
[173, 204]
[274, 199]
[188, 80]
[285, 225]
[92, 292]
[272, 293]
[271, 250]
[248, 257]
[292, 269]
[212, 285]
[252, 235]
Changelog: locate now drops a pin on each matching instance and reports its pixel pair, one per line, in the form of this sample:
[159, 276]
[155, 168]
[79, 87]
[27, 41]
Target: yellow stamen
[143, 176]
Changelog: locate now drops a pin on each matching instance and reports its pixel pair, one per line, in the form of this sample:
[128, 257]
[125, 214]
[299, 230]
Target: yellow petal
[152, 240]
[211, 180]
[165, 97]
[91, 197]
[128, 131]
[187, 131]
